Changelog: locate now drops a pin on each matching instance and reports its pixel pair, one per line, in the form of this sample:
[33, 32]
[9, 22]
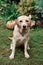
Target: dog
[21, 35]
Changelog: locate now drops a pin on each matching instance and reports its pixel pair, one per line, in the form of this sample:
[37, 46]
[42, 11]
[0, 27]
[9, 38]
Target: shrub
[26, 7]
[8, 11]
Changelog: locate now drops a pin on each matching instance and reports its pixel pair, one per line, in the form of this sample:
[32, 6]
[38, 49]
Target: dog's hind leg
[28, 47]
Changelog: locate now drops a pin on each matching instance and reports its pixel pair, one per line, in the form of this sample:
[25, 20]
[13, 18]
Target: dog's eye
[27, 21]
[20, 20]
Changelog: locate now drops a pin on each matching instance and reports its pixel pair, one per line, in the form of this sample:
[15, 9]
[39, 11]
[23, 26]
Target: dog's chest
[19, 40]
[18, 37]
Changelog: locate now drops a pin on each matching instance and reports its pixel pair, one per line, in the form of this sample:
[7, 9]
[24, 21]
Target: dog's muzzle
[24, 27]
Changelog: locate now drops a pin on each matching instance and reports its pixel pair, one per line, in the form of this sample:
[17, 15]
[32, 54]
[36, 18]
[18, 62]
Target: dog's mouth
[23, 31]
[24, 28]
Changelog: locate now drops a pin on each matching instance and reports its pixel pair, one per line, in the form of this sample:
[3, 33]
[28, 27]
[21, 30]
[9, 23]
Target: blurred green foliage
[10, 11]
[27, 7]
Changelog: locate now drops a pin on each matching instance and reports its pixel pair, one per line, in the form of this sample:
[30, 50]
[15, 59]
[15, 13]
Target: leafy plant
[27, 7]
[8, 11]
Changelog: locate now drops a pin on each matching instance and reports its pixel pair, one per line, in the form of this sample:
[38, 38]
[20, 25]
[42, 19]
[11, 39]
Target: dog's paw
[11, 56]
[27, 55]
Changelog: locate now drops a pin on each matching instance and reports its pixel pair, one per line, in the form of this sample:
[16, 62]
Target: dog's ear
[30, 16]
[32, 24]
[16, 22]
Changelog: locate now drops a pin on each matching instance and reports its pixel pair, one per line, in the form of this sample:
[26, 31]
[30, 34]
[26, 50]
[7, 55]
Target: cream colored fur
[21, 35]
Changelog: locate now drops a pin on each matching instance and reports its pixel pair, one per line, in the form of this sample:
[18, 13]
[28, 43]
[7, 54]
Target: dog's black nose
[24, 27]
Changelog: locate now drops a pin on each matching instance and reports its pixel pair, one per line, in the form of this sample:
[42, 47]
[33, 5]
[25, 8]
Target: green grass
[36, 48]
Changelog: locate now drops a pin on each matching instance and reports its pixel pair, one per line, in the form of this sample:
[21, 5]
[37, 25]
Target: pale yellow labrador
[21, 35]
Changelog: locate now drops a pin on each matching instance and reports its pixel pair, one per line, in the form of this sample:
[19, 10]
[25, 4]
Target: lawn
[36, 48]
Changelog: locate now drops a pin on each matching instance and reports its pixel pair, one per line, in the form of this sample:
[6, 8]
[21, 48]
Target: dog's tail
[10, 38]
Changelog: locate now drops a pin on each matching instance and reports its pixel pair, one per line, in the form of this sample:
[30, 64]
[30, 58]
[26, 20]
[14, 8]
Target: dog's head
[24, 22]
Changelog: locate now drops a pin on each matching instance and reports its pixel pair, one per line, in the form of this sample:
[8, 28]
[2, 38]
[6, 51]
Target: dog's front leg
[13, 49]
[25, 49]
